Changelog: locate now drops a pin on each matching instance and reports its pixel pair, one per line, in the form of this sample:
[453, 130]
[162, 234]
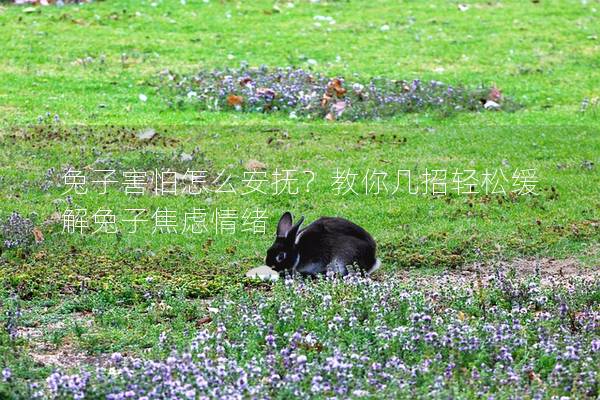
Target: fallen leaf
[204, 320]
[266, 92]
[330, 117]
[245, 81]
[339, 108]
[234, 100]
[336, 86]
[325, 100]
[54, 218]
[533, 377]
[254, 165]
[495, 94]
[38, 235]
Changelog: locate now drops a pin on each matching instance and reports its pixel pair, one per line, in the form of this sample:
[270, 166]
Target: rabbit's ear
[294, 230]
[284, 225]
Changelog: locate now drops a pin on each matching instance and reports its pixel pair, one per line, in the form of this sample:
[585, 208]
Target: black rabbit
[328, 244]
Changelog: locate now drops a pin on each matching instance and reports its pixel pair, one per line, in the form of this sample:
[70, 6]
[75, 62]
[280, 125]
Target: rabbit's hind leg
[338, 266]
[312, 268]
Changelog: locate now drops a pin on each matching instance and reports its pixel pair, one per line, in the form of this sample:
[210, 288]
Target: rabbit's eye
[280, 257]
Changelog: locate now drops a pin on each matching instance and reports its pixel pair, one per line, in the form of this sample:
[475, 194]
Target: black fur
[328, 244]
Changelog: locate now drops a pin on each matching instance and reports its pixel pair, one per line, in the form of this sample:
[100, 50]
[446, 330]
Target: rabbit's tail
[375, 266]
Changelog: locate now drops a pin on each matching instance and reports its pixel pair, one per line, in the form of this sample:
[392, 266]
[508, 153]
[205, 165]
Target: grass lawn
[79, 84]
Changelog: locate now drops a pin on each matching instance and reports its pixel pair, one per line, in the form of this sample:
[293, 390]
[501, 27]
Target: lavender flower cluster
[302, 93]
[12, 316]
[17, 231]
[356, 338]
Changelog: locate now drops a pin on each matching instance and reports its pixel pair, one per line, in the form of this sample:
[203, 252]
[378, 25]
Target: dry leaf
[325, 100]
[330, 117]
[254, 165]
[339, 108]
[495, 94]
[38, 235]
[335, 85]
[533, 377]
[265, 92]
[204, 320]
[234, 100]
[54, 218]
[245, 81]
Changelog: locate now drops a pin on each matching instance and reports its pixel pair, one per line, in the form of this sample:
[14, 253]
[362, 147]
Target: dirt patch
[65, 354]
[109, 136]
[549, 270]
[546, 267]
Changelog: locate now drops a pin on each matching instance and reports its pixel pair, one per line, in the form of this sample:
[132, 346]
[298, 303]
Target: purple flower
[6, 374]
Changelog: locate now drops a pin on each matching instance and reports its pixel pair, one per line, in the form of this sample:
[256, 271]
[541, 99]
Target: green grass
[542, 54]
[546, 56]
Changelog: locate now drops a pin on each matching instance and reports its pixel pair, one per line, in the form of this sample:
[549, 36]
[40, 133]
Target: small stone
[146, 135]
[183, 177]
[185, 157]
[491, 105]
[263, 273]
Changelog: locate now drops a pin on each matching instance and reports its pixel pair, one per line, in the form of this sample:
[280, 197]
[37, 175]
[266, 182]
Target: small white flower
[143, 97]
[384, 28]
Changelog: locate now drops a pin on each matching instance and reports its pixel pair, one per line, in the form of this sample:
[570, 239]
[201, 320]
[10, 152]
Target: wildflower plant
[355, 337]
[17, 231]
[302, 93]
